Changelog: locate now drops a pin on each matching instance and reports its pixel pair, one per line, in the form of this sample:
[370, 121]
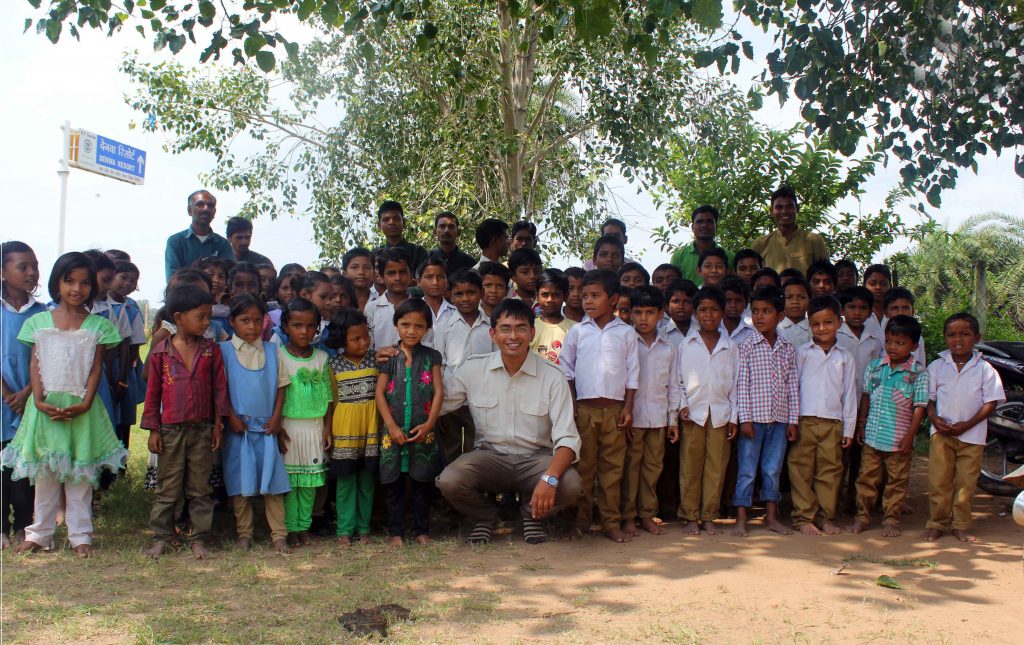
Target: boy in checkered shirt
[768, 405]
[892, 407]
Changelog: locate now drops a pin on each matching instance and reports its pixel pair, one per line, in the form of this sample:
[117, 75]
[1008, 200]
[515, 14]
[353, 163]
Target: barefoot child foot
[293, 539]
[930, 535]
[423, 540]
[963, 536]
[158, 549]
[616, 534]
[395, 541]
[343, 540]
[365, 539]
[200, 550]
[709, 527]
[629, 528]
[808, 529]
[304, 538]
[83, 551]
[651, 526]
[691, 528]
[280, 545]
[890, 530]
[830, 529]
[771, 519]
[243, 543]
[740, 529]
[857, 527]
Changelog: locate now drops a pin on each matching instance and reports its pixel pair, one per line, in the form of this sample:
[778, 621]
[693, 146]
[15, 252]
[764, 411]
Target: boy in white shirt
[655, 407]
[828, 419]
[601, 362]
[864, 341]
[794, 326]
[459, 335]
[393, 266]
[963, 391]
[706, 369]
[737, 296]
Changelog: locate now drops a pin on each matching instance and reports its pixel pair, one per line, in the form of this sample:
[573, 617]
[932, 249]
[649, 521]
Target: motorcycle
[1004, 452]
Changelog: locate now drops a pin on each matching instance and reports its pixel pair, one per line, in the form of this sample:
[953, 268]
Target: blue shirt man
[198, 240]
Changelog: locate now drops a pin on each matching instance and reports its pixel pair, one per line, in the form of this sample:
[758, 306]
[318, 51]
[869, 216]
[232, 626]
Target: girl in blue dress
[252, 459]
[20, 279]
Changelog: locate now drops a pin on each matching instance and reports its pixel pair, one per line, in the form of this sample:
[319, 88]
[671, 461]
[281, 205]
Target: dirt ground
[764, 588]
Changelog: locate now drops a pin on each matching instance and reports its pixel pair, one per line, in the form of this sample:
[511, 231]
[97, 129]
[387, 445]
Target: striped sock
[481, 534]
[533, 531]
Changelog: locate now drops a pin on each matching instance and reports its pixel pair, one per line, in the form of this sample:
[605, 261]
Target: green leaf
[206, 9]
[53, 28]
[306, 9]
[331, 14]
[253, 44]
[707, 13]
[28, 23]
[593, 22]
[888, 582]
[266, 61]
[157, 5]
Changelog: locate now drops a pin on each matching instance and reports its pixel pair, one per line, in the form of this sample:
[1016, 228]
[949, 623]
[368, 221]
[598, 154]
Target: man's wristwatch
[550, 480]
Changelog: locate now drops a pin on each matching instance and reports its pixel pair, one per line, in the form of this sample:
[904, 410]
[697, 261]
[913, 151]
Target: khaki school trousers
[816, 469]
[602, 454]
[274, 507]
[897, 467]
[644, 457]
[704, 455]
[953, 468]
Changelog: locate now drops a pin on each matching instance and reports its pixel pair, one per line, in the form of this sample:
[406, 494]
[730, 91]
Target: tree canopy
[500, 112]
[934, 84]
[736, 164]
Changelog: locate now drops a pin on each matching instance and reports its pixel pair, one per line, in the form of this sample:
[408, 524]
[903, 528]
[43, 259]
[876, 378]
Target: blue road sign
[120, 157]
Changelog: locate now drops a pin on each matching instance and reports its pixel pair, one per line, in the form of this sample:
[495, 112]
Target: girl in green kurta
[409, 396]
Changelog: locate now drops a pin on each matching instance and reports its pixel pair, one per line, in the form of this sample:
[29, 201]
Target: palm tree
[940, 270]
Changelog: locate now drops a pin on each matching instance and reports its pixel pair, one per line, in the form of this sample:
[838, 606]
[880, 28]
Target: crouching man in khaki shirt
[526, 439]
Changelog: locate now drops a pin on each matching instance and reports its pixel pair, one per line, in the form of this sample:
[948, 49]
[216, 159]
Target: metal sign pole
[63, 173]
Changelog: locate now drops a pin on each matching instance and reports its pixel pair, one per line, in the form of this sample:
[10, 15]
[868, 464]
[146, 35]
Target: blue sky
[79, 81]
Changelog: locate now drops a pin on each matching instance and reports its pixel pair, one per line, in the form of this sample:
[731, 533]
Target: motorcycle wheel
[994, 466]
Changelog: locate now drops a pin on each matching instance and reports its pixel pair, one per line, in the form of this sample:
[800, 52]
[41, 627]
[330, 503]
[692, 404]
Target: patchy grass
[119, 595]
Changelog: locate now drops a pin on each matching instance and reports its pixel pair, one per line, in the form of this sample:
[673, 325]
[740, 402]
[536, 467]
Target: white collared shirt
[797, 333]
[864, 349]
[742, 332]
[525, 414]
[656, 404]
[707, 380]
[828, 384]
[251, 356]
[604, 363]
[958, 395]
[445, 311]
[457, 340]
[380, 318]
[676, 336]
[28, 304]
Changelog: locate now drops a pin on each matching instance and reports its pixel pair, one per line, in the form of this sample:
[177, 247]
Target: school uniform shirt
[380, 318]
[742, 332]
[16, 357]
[767, 382]
[526, 414]
[106, 309]
[445, 311]
[958, 395]
[136, 327]
[797, 333]
[864, 349]
[676, 335]
[828, 388]
[456, 340]
[656, 404]
[548, 339]
[250, 356]
[894, 391]
[707, 380]
[918, 354]
[603, 363]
